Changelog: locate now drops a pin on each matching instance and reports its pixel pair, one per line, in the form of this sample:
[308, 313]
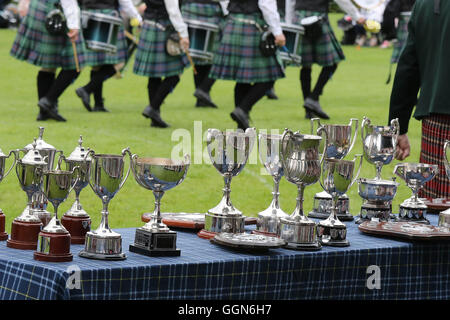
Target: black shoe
[271, 94]
[241, 118]
[42, 116]
[146, 112]
[201, 104]
[100, 107]
[315, 108]
[308, 114]
[51, 108]
[156, 119]
[85, 98]
[205, 98]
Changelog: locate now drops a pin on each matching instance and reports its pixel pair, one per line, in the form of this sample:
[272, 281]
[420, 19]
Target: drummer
[213, 12]
[103, 63]
[318, 46]
[241, 59]
[35, 45]
[162, 20]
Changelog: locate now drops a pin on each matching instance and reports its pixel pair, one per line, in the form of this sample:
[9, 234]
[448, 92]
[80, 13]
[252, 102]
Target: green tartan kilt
[239, 57]
[35, 45]
[152, 59]
[402, 36]
[99, 58]
[325, 50]
[205, 12]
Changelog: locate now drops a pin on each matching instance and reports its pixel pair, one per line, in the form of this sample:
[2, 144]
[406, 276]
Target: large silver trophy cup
[379, 145]
[336, 178]
[229, 152]
[444, 216]
[340, 141]
[301, 163]
[106, 178]
[158, 175]
[269, 146]
[415, 175]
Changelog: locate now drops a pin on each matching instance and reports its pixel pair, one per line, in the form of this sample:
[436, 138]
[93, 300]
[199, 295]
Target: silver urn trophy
[158, 175]
[415, 175]
[336, 178]
[340, 141]
[444, 216]
[106, 178]
[229, 152]
[379, 145]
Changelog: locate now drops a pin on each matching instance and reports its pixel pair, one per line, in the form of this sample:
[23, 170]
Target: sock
[65, 78]
[204, 81]
[166, 87]
[305, 81]
[44, 82]
[240, 91]
[324, 76]
[152, 88]
[257, 91]
[99, 76]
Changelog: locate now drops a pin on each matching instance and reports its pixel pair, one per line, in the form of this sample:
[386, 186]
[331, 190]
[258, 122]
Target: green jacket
[424, 65]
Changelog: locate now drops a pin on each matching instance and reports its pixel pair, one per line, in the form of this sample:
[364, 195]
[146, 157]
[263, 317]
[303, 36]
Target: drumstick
[75, 55]
[186, 51]
[131, 37]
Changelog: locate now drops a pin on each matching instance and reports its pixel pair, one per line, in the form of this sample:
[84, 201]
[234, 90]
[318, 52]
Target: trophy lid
[33, 156]
[40, 143]
[79, 153]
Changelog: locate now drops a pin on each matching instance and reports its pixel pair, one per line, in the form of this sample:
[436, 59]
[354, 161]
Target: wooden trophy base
[77, 227]
[53, 247]
[3, 234]
[205, 234]
[24, 235]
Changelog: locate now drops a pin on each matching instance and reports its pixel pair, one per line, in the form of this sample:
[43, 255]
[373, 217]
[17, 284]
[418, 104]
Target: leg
[166, 87]
[305, 84]
[106, 72]
[45, 79]
[203, 84]
[152, 88]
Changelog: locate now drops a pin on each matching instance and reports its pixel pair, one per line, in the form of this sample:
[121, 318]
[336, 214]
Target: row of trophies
[303, 159]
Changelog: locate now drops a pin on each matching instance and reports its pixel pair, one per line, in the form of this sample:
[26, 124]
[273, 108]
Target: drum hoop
[197, 24]
[357, 2]
[101, 17]
[292, 28]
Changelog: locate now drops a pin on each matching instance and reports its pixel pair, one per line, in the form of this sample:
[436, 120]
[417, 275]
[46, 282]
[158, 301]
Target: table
[207, 271]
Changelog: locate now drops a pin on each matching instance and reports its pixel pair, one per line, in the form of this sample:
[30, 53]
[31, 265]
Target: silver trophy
[379, 144]
[54, 239]
[269, 154]
[340, 141]
[415, 175]
[301, 163]
[158, 175]
[336, 178]
[3, 174]
[106, 178]
[229, 152]
[39, 203]
[444, 216]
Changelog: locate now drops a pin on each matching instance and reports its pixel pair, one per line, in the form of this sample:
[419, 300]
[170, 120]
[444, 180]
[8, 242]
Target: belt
[249, 21]
[155, 24]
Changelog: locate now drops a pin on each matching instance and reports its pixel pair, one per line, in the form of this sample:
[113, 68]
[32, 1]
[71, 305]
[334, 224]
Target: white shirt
[72, 12]
[173, 9]
[346, 5]
[271, 16]
[128, 8]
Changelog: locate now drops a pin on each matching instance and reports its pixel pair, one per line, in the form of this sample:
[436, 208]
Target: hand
[141, 8]
[403, 147]
[73, 35]
[184, 44]
[280, 40]
[361, 21]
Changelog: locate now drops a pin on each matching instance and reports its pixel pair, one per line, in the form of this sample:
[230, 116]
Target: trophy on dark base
[106, 179]
[25, 228]
[76, 220]
[415, 175]
[54, 239]
[158, 175]
[336, 178]
[229, 152]
[339, 144]
[3, 157]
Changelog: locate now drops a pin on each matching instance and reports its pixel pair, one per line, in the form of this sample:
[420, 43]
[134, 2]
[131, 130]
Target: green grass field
[358, 89]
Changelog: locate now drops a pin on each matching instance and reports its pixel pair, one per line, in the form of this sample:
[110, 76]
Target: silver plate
[248, 241]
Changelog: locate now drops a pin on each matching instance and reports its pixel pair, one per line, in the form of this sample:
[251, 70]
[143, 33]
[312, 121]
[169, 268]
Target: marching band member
[209, 11]
[318, 46]
[35, 45]
[162, 21]
[241, 59]
[103, 63]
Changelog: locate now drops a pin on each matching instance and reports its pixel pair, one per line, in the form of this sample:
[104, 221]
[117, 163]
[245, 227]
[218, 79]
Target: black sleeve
[406, 83]
[391, 12]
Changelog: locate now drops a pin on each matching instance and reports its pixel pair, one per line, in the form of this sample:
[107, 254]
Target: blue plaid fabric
[207, 271]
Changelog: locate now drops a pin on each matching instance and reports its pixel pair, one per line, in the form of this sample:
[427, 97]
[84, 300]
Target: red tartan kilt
[435, 130]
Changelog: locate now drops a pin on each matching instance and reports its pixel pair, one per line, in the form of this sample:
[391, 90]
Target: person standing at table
[424, 66]
[241, 59]
[318, 46]
[103, 63]
[35, 45]
[162, 20]
[213, 12]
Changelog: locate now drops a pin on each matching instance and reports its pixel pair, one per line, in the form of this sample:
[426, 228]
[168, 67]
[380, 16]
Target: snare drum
[202, 38]
[100, 31]
[293, 35]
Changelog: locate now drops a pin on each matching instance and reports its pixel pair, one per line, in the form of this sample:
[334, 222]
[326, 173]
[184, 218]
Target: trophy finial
[80, 141]
[41, 132]
[34, 144]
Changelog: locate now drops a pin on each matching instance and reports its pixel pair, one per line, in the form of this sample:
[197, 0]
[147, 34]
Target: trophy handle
[210, 138]
[125, 151]
[325, 147]
[359, 169]
[14, 162]
[287, 134]
[399, 170]
[364, 128]
[60, 160]
[187, 162]
[318, 124]
[396, 128]
[356, 121]
[89, 152]
[446, 163]
[78, 169]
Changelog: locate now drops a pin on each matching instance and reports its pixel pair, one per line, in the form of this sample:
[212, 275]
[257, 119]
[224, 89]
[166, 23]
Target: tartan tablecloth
[206, 271]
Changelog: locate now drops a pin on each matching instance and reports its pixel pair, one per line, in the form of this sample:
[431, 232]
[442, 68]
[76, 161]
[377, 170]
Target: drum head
[195, 24]
[100, 17]
[368, 4]
[292, 28]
